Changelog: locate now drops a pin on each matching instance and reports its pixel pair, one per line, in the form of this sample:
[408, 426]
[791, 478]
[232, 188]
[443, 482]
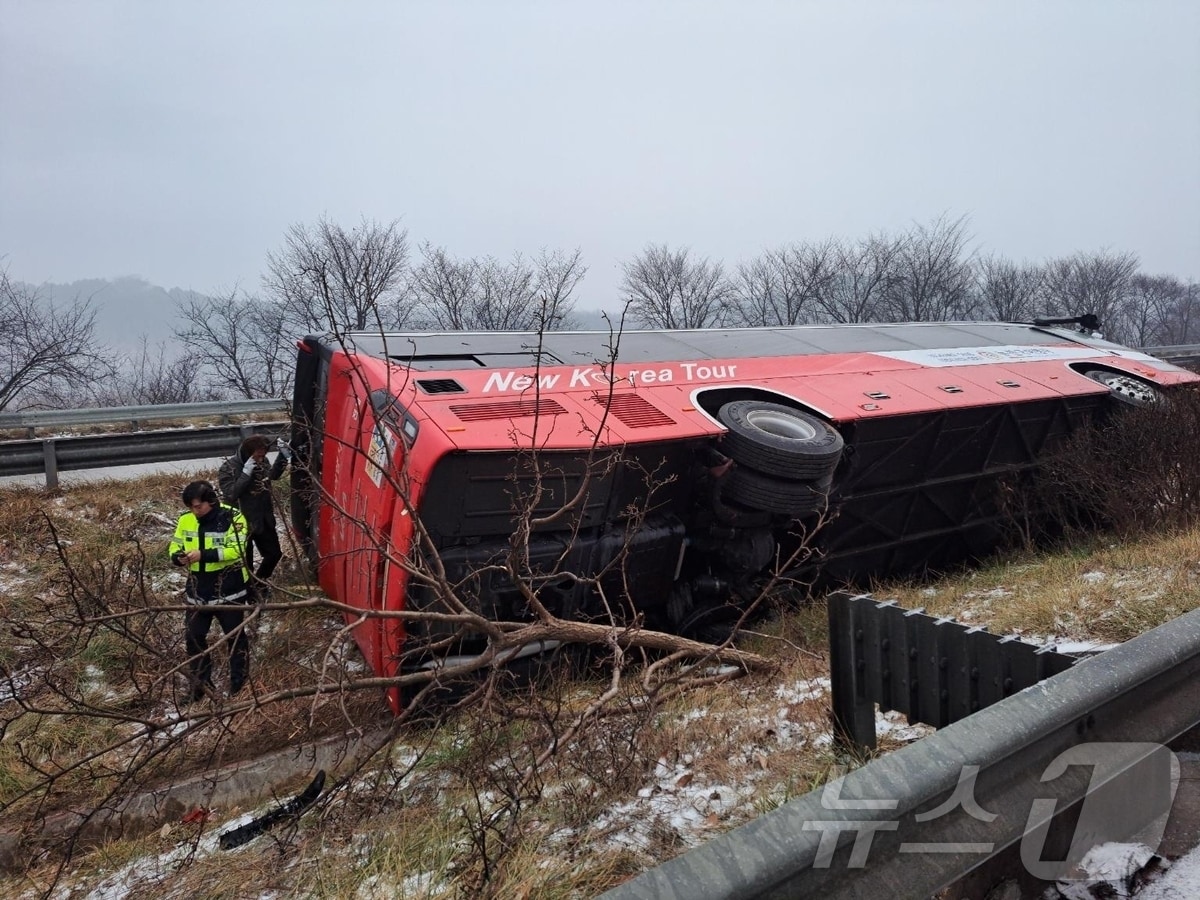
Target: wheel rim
[1132, 389]
[781, 425]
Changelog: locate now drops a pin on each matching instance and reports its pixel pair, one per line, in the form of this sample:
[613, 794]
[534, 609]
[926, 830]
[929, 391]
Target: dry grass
[616, 799]
[1103, 590]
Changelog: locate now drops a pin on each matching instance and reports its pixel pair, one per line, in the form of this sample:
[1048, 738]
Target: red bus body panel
[425, 427]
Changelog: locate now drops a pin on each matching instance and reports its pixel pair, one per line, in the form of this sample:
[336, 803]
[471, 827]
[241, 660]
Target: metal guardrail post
[853, 710]
[50, 461]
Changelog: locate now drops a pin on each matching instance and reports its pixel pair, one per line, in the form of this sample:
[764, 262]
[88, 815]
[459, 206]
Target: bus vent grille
[506, 409]
[633, 411]
[440, 386]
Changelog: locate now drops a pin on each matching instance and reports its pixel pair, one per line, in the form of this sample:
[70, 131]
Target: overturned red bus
[670, 465]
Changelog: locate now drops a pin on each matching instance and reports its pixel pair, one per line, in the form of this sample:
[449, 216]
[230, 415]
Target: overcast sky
[178, 140]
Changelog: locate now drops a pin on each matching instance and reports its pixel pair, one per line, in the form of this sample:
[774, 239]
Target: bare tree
[240, 343]
[930, 278]
[1182, 325]
[1163, 310]
[558, 274]
[489, 295]
[855, 293]
[443, 289]
[1096, 283]
[48, 354]
[1008, 291]
[667, 288]
[327, 278]
[151, 376]
[785, 286]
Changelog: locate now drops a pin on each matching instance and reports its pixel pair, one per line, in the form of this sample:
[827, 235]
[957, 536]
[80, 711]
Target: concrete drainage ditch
[242, 784]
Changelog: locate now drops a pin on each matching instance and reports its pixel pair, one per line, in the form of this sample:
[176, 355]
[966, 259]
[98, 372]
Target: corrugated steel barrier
[934, 670]
[893, 829]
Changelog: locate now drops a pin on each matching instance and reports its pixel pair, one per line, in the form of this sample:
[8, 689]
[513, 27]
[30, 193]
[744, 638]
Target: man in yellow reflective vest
[210, 542]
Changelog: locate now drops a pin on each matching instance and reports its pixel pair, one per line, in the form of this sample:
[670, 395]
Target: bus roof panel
[471, 350]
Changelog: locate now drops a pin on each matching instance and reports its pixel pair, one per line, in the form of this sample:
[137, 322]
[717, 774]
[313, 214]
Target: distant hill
[127, 308]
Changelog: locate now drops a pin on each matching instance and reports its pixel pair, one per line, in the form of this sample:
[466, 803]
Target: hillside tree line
[369, 277]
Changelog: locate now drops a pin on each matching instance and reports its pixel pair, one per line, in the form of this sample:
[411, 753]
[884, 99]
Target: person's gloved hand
[284, 448]
[248, 468]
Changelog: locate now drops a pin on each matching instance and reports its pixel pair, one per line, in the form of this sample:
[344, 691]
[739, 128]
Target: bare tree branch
[1008, 291]
[667, 288]
[856, 292]
[1096, 283]
[930, 279]
[786, 286]
[151, 376]
[329, 279]
[48, 355]
[489, 295]
[240, 343]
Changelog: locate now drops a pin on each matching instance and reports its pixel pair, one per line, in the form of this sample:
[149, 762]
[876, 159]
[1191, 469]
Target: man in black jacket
[245, 480]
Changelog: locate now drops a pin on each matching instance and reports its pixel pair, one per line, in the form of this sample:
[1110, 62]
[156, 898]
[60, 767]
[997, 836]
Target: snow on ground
[1131, 871]
[1181, 881]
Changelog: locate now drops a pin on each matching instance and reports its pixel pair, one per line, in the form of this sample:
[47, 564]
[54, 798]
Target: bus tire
[763, 493]
[1126, 388]
[778, 440]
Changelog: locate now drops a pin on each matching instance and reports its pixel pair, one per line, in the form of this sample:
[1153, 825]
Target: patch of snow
[896, 726]
[1092, 577]
[1181, 881]
[12, 686]
[1080, 648]
[148, 871]
[804, 689]
[1113, 864]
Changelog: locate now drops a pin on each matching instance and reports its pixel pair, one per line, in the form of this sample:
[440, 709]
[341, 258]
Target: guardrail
[135, 415]
[52, 455]
[904, 826]
[1181, 354]
[75, 453]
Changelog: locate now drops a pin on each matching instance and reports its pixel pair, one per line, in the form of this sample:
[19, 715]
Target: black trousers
[197, 623]
[267, 543]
